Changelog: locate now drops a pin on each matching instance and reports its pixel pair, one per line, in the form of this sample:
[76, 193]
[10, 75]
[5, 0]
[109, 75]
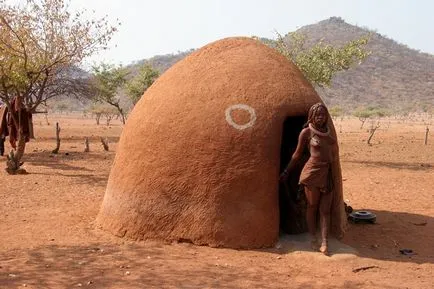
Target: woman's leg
[312, 196]
[2, 145]
[325, 203]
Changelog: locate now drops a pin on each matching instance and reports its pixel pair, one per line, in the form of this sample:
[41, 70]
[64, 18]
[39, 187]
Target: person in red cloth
[8, 127]
[3, 128]
[316, 174]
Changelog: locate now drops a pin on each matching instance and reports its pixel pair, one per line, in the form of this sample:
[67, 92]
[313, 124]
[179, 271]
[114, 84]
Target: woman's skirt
[317, 174]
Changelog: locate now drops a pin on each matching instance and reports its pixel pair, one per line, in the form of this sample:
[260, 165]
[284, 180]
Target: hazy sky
[167, 26]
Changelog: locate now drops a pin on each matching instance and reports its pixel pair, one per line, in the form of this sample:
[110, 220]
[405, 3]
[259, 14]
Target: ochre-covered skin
[183, 172]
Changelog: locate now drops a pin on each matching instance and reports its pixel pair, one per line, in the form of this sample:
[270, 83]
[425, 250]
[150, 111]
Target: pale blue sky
[166, 26]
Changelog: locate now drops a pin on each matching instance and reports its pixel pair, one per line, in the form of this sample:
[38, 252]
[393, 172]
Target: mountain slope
[393, 76]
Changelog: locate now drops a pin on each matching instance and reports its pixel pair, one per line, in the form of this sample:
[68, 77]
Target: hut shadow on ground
[383, 240]
[111, 266]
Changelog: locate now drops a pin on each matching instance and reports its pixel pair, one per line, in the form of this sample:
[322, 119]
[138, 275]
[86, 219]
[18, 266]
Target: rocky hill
[393, 76]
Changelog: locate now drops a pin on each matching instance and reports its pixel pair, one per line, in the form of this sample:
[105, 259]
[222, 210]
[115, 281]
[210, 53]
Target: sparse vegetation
[103, 110]
[321, 61]
[336, 111]
[62, 195]
[107, 81]
[364, 113]
[49, 237]
[141, 82]
[40, 43]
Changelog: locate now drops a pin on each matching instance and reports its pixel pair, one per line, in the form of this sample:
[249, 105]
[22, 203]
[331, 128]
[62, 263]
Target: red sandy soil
[48, 238]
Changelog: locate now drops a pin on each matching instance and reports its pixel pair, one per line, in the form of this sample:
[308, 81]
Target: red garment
[7, 124]
[3, 121]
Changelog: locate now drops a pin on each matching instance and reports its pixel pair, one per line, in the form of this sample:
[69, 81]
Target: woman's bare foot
[324, 248]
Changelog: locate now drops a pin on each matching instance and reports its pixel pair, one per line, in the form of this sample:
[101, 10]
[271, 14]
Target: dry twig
[364, 268]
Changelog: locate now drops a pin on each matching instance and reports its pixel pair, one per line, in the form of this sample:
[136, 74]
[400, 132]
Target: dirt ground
[48, 239]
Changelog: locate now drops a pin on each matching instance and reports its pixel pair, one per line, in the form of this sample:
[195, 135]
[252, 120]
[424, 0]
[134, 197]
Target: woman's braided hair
[312, 112]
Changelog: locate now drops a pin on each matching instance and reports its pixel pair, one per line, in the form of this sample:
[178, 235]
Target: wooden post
[86, 145]
[56, 150]
[104, 143]
[426, 135]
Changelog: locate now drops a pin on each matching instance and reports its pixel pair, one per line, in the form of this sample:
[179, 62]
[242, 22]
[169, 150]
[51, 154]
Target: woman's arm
[302, 141]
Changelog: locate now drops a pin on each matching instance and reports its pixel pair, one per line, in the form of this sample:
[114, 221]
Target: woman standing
[316, 174]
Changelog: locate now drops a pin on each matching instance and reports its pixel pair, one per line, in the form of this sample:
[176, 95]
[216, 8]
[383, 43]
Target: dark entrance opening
[292, 201]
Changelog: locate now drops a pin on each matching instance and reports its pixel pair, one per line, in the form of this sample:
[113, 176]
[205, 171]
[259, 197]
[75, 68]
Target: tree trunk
[86, 145]
[31, 131]
[56, 150]
[108, 119]
[121, 112]
[14, 158]
[372, 131]
[46, 119]
[363, 122]
[97, 117]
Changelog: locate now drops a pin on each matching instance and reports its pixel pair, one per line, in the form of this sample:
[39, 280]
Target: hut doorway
[292, 201]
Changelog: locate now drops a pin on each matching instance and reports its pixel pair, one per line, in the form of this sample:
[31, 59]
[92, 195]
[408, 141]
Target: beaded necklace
[317, 131]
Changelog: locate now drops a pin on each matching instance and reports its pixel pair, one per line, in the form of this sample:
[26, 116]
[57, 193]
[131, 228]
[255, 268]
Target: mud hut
[200, 155]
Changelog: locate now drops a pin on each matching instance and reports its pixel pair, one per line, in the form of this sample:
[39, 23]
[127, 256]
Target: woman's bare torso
[320, 147]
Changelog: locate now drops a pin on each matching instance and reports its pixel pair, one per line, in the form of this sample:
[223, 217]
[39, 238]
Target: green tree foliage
[141, 82]
[40, 42]
[107, 80]
[336, 111]
[371, 112]
[103, 109]
[364, 113]
[321, 61]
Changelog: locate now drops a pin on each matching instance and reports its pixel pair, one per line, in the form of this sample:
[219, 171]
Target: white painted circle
[245, 107]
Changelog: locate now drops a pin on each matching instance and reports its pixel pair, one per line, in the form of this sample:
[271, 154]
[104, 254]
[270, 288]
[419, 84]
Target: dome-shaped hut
[199, 157]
